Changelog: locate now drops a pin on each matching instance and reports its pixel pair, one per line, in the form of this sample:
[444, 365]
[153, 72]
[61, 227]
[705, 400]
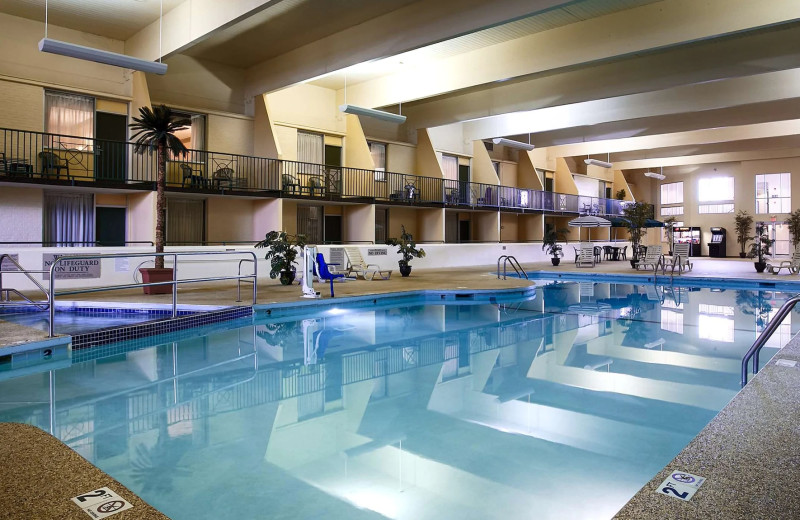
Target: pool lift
[309, 254]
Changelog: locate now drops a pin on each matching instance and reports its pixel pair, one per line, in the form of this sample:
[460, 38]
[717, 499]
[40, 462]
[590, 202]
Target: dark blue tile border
[155, 327]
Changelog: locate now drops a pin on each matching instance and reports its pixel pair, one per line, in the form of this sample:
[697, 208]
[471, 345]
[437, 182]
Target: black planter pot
[742, 255]
[405, 269]
[760, 266]
[633, 264]
[555, 260]
[287, 277]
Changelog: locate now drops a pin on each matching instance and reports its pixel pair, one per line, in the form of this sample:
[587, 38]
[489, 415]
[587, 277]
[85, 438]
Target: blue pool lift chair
[324, 273]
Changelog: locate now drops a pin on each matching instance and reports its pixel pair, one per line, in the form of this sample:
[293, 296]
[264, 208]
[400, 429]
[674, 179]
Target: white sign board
[377, 252]
[121, 265]
[101, 503]
[71, 269]
[680, 485]
[7, 265]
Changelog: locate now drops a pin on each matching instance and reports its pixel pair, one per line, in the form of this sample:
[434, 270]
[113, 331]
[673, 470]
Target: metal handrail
[27, 273]
[762, 339]
[239, 281]
[174, 282]
[508, 259]
[44, 243]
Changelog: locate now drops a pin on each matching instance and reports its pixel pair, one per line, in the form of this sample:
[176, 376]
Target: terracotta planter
[153, 275]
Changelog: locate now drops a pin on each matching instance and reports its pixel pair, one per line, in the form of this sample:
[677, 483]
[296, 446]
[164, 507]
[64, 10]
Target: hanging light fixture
[596, 162]
[96, 55]
[654, 175]
[370, 112]
[513, 144]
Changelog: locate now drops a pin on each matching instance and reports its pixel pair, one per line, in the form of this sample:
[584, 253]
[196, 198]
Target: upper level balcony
[44, 158]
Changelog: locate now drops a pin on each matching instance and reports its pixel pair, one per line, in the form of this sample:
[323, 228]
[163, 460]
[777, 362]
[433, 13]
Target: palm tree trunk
[161, 204]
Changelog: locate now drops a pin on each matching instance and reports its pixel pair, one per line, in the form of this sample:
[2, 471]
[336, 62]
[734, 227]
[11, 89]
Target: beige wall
[526, 173]
[265, 142]
[402, 216]
[401, 158]
[531, 227]
[110, 199]
[482, 168]
[307, 106]
[431, 225]
[289, 217]
[199, 84]
[20, 58]
[356, 153]
[21, 214]
[230, 134]
[229, 219]
[267, 216]
[486, 226]
[22, 106]
[142, 216]
[508, 173]
[509, 227]
[286, 138]
[359, 222]
[564, 183]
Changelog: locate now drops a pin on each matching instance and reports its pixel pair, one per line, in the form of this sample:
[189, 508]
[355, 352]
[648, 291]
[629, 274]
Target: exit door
[463, 183]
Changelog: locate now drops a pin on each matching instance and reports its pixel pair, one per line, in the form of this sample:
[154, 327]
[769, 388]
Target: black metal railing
[64, 158]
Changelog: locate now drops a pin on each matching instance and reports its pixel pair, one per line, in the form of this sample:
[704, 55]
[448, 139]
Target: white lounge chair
[652, 258]
[680, 259]
[585, 256]
[792, 265]
[358, 267]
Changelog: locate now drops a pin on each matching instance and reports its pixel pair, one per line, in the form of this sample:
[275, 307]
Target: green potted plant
[551, 246]
[669, 225]
[760, 248]
[793, 222]
[636, 215]
[282, 254]
[743, 222]
[620, 195]
[407, 248]
[155, 131]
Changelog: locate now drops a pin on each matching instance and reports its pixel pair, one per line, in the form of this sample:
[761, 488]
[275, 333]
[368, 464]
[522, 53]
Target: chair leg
[331, 287]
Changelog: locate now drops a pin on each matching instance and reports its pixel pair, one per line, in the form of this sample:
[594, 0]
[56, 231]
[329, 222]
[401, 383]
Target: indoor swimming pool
[557, 406]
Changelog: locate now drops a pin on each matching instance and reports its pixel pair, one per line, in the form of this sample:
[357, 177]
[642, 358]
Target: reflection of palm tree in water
[753, 303]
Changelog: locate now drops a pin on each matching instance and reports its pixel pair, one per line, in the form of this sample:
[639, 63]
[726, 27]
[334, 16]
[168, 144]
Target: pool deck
[749, 453]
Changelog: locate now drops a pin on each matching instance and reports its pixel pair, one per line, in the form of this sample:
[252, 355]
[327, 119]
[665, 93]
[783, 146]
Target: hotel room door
[110, 151]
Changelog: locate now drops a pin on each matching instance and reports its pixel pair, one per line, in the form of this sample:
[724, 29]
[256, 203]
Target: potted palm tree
[155, 131]
[743, 222]
[669, 225]
[551, 246]
[282, 254]
[636, 215]
[793, 222]
[759, 249]
[407, 249]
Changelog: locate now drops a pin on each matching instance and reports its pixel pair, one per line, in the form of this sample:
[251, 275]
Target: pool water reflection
[559, 406]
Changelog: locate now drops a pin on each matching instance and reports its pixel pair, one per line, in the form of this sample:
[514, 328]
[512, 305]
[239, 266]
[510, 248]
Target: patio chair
[315, 185]
[195, 176]
[586, 257]
[792, 265]
[598, 251]
[223, 175]
[357, 266]
[680, 259]
[652, 258]
[289, 182]
[486, 200]
[608, 252]
[52, 162]
[623, 253]
[324, 273]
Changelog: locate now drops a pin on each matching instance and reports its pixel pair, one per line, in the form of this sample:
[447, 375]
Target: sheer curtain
[72, 115]
[310, 149]
[378, 152]
[198, 132]
[68, 217]
[450, 167]
[185, 221]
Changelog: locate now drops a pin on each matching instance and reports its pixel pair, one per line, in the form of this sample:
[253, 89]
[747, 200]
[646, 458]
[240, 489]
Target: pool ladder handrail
[5, 293]
[762, 339]
[509, 259]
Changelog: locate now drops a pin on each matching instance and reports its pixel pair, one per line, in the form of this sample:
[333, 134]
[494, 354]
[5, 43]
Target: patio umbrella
[588, 221]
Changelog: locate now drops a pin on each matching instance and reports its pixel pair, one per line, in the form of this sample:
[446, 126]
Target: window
[672, 193]
[714, 189]
[715, 322]
[673, 210]
[68, 217]
[496, 166]
[672, 321]
[450, 167]
[311, 151]
[193, 136]
[773, 193]
[715, 208]
[185, 221]
[381, 224]
[309, 223]
[378, 152]
[69, 115]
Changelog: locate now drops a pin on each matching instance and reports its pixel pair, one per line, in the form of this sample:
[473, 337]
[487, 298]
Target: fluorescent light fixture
[513, 144]
[601, 164]
[371, 112]
[96, 55]
[659, 176]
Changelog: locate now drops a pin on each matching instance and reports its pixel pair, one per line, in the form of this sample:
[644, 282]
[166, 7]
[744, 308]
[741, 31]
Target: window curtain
[310, 149]
[309, 223]
[70, 115]
[68, 217]
[378, 153]
[450, 167]
[198, 132]
[185, 221]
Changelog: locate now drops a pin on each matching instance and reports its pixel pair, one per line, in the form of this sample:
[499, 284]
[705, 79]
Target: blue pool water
[559, 406]
[77, 322]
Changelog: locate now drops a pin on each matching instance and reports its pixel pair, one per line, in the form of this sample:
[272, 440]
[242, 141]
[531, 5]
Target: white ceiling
[118, 19]
[559, 17]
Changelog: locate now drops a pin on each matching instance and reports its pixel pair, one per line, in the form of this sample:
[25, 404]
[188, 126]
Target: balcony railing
[70, 159]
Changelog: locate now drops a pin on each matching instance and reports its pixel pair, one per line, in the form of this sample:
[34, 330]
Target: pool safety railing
[239, 281]
[174, 282]
[512, 261]
[762, 339]
[5, 293]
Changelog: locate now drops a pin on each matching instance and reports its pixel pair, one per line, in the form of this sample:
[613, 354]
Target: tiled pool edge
[154, 328]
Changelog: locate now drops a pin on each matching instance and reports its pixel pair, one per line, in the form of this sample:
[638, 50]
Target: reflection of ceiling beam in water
[666, 358]
[692, 395]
